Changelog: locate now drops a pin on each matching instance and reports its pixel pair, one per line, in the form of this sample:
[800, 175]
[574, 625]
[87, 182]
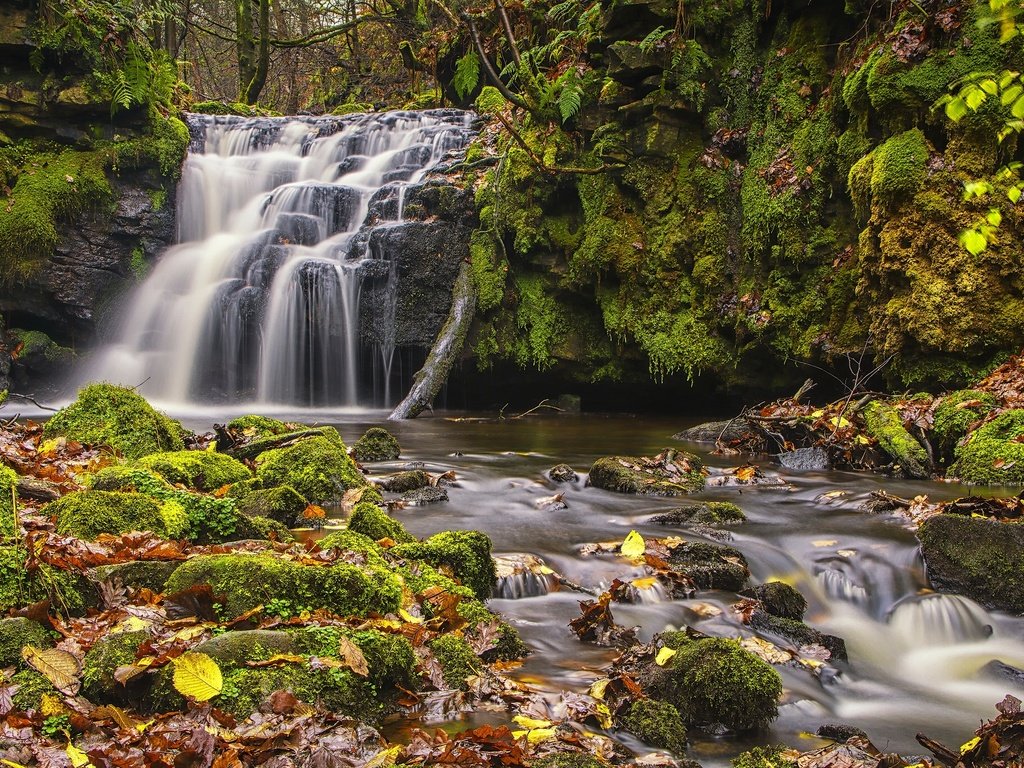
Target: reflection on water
[918, 661]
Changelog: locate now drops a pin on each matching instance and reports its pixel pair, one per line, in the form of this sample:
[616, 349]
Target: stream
[917, 659]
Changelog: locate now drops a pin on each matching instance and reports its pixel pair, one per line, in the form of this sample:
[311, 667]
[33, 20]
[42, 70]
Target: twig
[36, 403]
[141, 383]
[542, 404]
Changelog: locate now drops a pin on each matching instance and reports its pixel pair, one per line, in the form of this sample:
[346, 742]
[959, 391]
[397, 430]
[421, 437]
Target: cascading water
[259, 301]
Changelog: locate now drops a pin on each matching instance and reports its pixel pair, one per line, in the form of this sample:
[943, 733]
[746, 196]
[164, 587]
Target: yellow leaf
[385, 759]
[746, 473]
[77, 757]
[50, 705]
[633, 546]
[598, 688]
[406, 616]
[131, 624]
[970, 745]
[817, 414]
[59, 667]
[664, 655]
[197, 675]
[11, 763]
[645, 583]
[824, 542]
[604, 715]
[540, 734]
[530, 723]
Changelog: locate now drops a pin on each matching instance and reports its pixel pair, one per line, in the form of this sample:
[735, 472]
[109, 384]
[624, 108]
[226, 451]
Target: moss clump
[128, 478]
[18, 587]
[404, 481]
[87, 514]
[798, 633]
[629, 474]
[975, 557]
[38, 351]
[356, 543]
[702, 513]
[283, 504]
[569, 760]
[262, 426]
[105, 414]
[710, 566]
[151, 574]
[31, 687]
[467, 554]
[657, 723]
[763, 757]
[390, 657]
[201, 470]
[15, 634]
[376, 444]
[898, 169]
[248, 580]
[883, 423]
[103, 659]
[8, 480]
[714, 680]
[458, 662]
[954, 413]
[373, 522]
[992, 454]
[780, 599]
[316, 467]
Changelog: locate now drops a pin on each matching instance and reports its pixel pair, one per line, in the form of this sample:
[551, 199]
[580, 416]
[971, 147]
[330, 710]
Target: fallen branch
[36, 403]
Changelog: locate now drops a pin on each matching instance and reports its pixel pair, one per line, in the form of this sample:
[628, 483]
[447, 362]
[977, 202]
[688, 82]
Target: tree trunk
[245, 46]
[259, 77]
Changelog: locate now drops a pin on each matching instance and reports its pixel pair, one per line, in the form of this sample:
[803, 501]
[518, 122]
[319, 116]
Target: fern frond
[571, 97]
[467, 74]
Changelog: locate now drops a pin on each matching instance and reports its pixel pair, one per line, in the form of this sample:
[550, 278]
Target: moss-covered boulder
[780, 599]
[710, 566]
[404, 481]
[87, 514]
[18, 587]
[317, 467]
[105, 414]
[376, 444]
[457, 660]
[15, 634]
[128, 478]
[993, 453]
[467, 554]
[245, 581]
[30, 687]
[714, 680]
[763, 757]
[701, 513]
[38, 354]
[354, 543]
[201, 470]
[657, 723]
[980, 558]
[8, 480]
[374, 523]
[954, 413]
[135, 574]
[883, 423]
[796, 633]
[260, 426]
[110, 652]
[674, 473]
[283, 504]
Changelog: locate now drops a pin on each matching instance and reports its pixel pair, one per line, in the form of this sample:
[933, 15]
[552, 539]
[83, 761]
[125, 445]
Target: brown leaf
[59, 667]
[353, 656]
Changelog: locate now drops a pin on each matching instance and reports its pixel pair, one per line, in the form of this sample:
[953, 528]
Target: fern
[467, 74]
[654, 38]
[571, 97]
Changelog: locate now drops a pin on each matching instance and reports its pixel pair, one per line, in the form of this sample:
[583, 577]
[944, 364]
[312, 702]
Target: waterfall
[259, 300]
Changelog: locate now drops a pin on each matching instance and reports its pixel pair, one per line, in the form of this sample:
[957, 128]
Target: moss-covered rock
[134, 574]
[38, 353]
[797, 633]
[356, 543]
[18, 587]
[15, 634]
[467, 554]
[283, 504]
[317, 467]
[376, 444]
[105, 414]
[31, 687]
[373, 522]
[261, 426]
[714, 680]
[710, 566]
[631, 474]
[404, 481]
[246, 581]
[87, 514]
[883, 423]
[8, 480]
[954, 413]
[992, 454]
[780, 599]
[980, 558]
[763, 757]
[201, 470]
[110, 652]
[458, 662]
[701, 513]
[568, 760]
[657, 723]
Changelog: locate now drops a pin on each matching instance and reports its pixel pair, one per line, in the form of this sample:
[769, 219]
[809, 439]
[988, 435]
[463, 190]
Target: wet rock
[428, 495]
[710, 566]
[404, 481]
[979, 558]
[550, 503]
[713, 431]
[805, 459]
[839, 732]
[101, 662]
[236, 647]
[563, 473]
[670, 473]
[883, 423]
[797, 633]
[780, 599]
[701, 513]
[521, 574]
[376, 444]
[283, 504]
[997, 670]
[740, 477]
[657, 723]
[150, 574]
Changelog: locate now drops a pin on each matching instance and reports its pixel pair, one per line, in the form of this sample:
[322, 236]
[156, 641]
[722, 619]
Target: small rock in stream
[839, 732]
[428, 495]
[563, 473]
[805, 459]
[550, 503]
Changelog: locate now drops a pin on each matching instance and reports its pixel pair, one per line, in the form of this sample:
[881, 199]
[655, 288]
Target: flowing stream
[259, 301]
[919, 661]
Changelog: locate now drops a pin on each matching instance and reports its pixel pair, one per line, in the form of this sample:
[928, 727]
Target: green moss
[317, 467]
[103, 659]
[657, 723]
[898, 169]
[763, 757]
[283, 504]
[31, 687]
[992, 454]
[167, 144]
[373, 522]
[488, 270]
[87, 514]
[404, 481]
[18, 587]
[104, 414]
[458, 662]
[51, 189]
[258, 425]
[351, 541]
[714, 680]
[883, 423]
[15, 634]
[390, 657]
[617, 473]
[8, 482]
[37, 347]
[710, 566]
[138, 264]
[200, 470]
[510, 645]
[249, 580]
[702, 513]
[781, 599]
[467, 554]
[376, 444]
[956, 412]
[568, 760]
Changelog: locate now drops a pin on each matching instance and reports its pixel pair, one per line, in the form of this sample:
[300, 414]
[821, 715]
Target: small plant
[56, 726]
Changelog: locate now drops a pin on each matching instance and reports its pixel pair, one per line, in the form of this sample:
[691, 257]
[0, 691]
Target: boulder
[671, 473]
[563, 473]
[883, 423]
[993, 453]
[701, 513]
[15, 634]
[87, 514]
[376, 444]
[409, 480]
[200, 470]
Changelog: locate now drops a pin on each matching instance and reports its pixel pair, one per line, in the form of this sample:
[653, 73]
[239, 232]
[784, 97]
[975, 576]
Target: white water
[259, 301]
